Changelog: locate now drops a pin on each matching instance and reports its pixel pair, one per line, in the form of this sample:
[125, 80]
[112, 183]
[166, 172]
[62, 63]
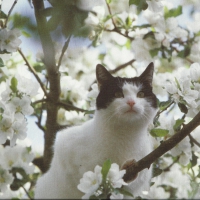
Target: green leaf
[123, 191]
[17, 183]
[141, 4]
[178, 124]
[135, 2]
[108, 1]
[158, 132]
[89, 112]
[3, 15]
[26, 34]
[53, 22]
[150, 34]
[105, 169]
[183, 108]
[47, 12]
[156, 171]
[24, 23]
[184, 53]
[1, 63]
[194, 159]
[177, 83]
[72, 22]
[173, 12]
[164, 105]
[14, 83]
[154, 52]
[93, 197]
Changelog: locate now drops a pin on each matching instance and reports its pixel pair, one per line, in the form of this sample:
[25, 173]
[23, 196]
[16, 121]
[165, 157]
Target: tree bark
[54, 82]
[165, 146]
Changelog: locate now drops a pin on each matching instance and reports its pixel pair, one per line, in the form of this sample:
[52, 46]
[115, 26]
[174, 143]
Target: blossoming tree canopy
[54, 81]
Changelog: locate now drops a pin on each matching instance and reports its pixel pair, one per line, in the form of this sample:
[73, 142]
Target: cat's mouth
[131, 111]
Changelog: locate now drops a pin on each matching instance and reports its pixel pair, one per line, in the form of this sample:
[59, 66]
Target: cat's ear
[147, 75]
[102, 75]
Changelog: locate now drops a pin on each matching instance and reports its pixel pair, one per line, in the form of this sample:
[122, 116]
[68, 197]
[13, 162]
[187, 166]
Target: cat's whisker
[116, 132]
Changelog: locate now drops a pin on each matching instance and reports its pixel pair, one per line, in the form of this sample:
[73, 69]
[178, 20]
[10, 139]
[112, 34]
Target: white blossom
[17, 156]
[5, 91]
[6, 129]
[116, 196]
[141, 49]
[9, 40]
[26, 85]
[155, 5]
[168, 29]
[5, 179]
[95, 19]
[22, 105]
[194, 26]
[92, 95]
[187, 93]
[156, 192]
[176, 179]
[195, 72]
[72, 90]
[115, 176]
[19, 128]
[90, 182]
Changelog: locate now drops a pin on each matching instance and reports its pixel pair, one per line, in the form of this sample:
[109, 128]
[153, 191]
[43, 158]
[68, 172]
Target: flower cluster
[124, 35]
[15, 104]
[103, 182]
[185, 89]
[14, 157]
[9, 40]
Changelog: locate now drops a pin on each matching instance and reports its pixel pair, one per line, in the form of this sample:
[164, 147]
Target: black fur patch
[109, 85]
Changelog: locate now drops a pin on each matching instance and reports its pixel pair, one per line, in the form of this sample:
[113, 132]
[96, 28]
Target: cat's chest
[117, 149]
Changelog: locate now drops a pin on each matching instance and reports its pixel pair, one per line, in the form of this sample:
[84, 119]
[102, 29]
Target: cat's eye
[119, 94]
[140, 94]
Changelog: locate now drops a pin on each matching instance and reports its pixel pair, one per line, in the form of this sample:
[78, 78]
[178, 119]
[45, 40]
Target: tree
[125, 36]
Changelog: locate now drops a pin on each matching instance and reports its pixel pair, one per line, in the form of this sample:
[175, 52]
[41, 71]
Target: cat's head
[126, 99]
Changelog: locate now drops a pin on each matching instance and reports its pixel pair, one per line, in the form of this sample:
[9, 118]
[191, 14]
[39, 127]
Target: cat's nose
[131, 103]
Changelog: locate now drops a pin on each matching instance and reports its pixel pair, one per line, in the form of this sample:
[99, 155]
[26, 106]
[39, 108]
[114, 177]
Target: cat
[124, 109]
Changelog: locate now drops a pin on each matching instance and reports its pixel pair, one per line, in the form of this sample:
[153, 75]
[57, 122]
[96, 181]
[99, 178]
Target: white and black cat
[118, 131]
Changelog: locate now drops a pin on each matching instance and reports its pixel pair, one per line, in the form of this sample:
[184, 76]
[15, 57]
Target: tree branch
[33, 72]
[118, 68]
[122, 66]
[9, 13]
[109, 10]
[67, 106]
[162, 149]
[194, 141]
[63, 51]
[54, 81]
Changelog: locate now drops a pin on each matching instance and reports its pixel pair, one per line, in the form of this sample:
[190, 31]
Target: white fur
[113, 134]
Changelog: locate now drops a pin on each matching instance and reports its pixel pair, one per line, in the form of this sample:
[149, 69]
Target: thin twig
[9, 13]
[70, 107]
[118, 31]
[63, 51]
[1, 6]
[161, 111]
[122, 66]
[34, 72]
[115, 27]
[39, 101]
[26, 192]
[189, 60]
[168, 168]
[109, 10]
[193, 140]
[116, 70]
